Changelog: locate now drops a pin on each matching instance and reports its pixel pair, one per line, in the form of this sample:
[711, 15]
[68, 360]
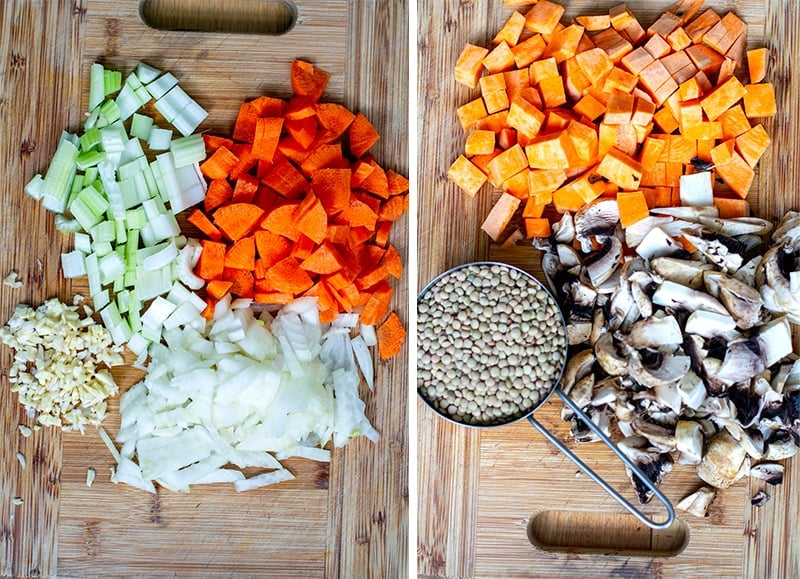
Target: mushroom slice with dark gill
[697, 503]
[653, 463]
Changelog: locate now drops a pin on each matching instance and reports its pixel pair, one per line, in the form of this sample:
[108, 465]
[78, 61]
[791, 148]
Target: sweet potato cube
[651, 151]
[757, 60]
[724, 33]
[500, 215]
[613, 44]
[595, 64]
[737, 174]
[529, 50]
[567, 199]
[657, 46]
[466, 175]
[542, 69]
[533, 209]
[511, 30]
[594, 23]
[632, 207]
[620, 108]
[584, 141]
[589, 107]
[543, 17]
[507, 164]
[552, 89]
[689, 89]
[525, 117]
[665, 120]
[537, 227]
[759, 100]
[499, 59]
[619, 79]
[621, 169]
[676, 61]
[678, 39]
[471, 112]
[495, 101]
[544, 181]
[564, 43]
[732, 208]
[637, 60]
[469, 65]
[665, 24]
[643, 111]
[551, 151]
[575, 81]
[724, 97]
[517, 185]
[516, 81]
[479, 142]
[752, 144]
[722, 153]
[704, 58]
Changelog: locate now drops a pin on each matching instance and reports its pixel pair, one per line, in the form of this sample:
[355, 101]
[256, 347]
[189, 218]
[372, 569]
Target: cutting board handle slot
[593, 532]
[268, 17]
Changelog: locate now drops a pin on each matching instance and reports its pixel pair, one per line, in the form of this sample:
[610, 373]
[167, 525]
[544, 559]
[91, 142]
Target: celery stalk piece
[96, 85]
[112, 81]
[72, 264]
[189, 118]
[101, 299]
[110, 111]
[187, 150]
[146, 73]
[161, 85]
[159, 139]
[35, 187]
[127, 102]
[141, 126]
[59, 176]
[89, 139]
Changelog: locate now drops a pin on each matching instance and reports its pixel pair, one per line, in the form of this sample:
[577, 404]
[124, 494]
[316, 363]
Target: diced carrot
[362, 135]
[757, 60]
[201, 221]
[310, 218]
[324, 259]
[218, 193]
[500, 215]
[208, 311]
[217, 288]
[219, 164]
[278, 298]
[303, 131]
[242, 282]
[271, 247]
[759, 100]
[376, 182]
[211, 263]
[280, 221]
[332, 188]
[308, 80]
[391, 336]
[214, 142]
[245, 189]
[242, 254]
[325, 155]
[286, 179]
[237, 219]
[334, 118]
[377, 305]
[358, 214]
[287, 276]
[470, 65]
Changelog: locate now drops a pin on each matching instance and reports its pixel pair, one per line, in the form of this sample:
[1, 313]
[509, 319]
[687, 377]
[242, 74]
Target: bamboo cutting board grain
[488, 496]
[346, 519]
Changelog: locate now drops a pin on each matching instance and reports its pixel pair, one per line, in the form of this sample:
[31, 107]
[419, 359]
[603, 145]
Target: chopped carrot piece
[199, 220]
[332, 188]
[242, 254]
[324, 259]
[308, 80]
[362, 135]
[217, 288]
[377, 305]
[334, 118]
[219, 164]
[280, 221]
[242, 282]
[287, 276]
[237, 219]
[311, 219]
[391, 336]
[271, 247]
[212, 260]
[218, 193]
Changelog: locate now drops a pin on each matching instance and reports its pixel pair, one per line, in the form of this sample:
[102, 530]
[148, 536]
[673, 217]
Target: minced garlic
[61, 361]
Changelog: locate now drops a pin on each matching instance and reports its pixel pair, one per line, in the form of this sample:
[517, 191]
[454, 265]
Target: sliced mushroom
[607, 357]
[782, 445]
[667, 369]
[742, 362]
[687, 213]
[686, 272]
[567, 256]
[600, 265]
[742, 301]
[747, 273]
[724, 461]
[716, 252]
[564, 230]
[774, 341]
[578, 366]
[711, 324]
[770, 472]
[697, 503]
[657, 243]
[655, 332]
[636, 232]
[689, 441]
[681, 298]
[658, 435]
[738, 226]
[653, 464]
[692, 390]
[597, 219]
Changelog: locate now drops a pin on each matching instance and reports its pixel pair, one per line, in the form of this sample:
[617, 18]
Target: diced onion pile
[61, 361]
[241, 392]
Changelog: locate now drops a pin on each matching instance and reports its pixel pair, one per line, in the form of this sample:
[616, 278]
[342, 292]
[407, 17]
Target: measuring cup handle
[597, 478]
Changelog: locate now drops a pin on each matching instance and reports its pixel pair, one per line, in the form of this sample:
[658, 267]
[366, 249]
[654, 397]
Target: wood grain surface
[346, 519]
[487, 496]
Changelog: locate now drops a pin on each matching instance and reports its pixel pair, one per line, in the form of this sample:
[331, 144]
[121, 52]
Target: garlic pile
[61, 364]
[687, 351]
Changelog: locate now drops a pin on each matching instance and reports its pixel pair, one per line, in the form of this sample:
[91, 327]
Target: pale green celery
[96, 85]
[187, 150]
[141, 126]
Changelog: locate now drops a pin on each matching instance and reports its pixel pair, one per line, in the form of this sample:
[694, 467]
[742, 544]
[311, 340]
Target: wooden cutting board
[346, 519]
[503, 502]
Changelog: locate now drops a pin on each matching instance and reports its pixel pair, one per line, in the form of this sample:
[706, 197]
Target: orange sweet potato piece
[759, 100]
[757, 60]
[500, 215]
[466, 175]
[632, 207]
[537, 227]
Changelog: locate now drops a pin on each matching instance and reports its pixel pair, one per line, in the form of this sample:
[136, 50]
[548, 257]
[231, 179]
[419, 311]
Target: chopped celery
[146, 73]
[112, 81]
[58, 179]
[67, 225]
[187, 150]
[89, 159]
[135, 218]
[159, 139]
[104, 231]
[94, 200]
[111, 266]
[84, 214]
[90, 139]
[141, 126]
[101, 298]
[127, 101]
[93, 273]
[82, 242]
[72, 264]
[160, 86]
[189, 118]
[35, 187]
[102, 248]
[110, 111]
[96, 86]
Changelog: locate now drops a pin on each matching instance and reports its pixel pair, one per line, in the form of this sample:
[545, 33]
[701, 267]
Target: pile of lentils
[491, 344]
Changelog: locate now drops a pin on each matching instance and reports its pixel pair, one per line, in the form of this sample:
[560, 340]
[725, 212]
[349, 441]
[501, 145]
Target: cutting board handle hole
[268, 17]
[610, 534]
